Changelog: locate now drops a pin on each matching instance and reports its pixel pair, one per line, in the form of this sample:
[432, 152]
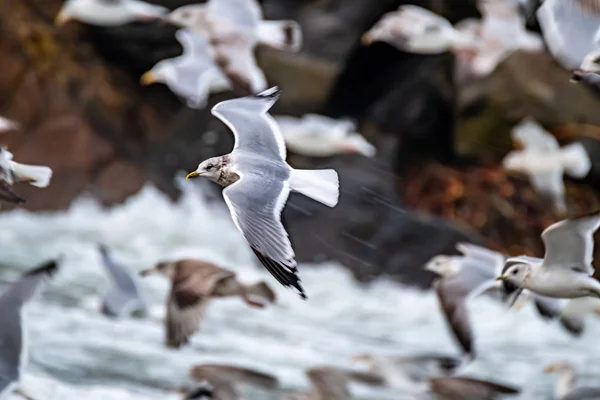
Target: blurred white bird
[502, 32]
[8, 125]
[319, 136]
[109, 12]
[233, 29]
[488, 42]
[192, 75]
[417, 30]
[571, 29]
[544, 161]
[12, 172]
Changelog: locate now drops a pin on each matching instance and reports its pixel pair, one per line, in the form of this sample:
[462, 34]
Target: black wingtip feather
[271, 93]
[281, 273]
[49, 268]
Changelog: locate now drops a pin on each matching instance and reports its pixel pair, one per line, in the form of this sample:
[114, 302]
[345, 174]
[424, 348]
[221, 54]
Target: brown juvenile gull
[258, 181]
[566, 269]
[227, 379]
[566, 387]
[234, 28]
[331, 383]
[124, 297]
[13, 328]
[193, 284]
[109, 12]
[12, 172]
[404, 372]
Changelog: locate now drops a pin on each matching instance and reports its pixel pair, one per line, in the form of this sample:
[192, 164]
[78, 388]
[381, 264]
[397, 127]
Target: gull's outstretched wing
[488, 258]
[254, 129]
[570, 29]
[235, 56]
[194, 70]
[570, 243]
[459, 387]
[11, 334]
[245, 14]
[255, 202]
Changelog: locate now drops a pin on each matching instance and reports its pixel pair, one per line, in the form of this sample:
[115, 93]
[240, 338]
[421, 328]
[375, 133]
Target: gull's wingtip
[48, 268]
[271, 93]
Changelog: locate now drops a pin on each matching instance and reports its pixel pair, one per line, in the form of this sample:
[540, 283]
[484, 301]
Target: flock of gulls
[218, 39]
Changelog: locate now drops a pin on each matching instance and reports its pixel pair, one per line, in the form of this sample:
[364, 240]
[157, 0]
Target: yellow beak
[148, 78]
[61, 19]
[191, 175]
[500, 278]
[366, 39]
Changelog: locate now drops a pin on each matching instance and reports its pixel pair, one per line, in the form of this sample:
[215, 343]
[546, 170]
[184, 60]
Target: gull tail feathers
[576, 160]
[282, 35]
[321, 185]
[35, 175]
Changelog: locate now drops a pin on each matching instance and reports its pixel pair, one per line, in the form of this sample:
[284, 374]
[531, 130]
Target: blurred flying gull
[566, 387]
[124, 297]
[472, 273]
[8, 125]
[12, 172]
[405, 372]
[109, 12]
[233, 29]
[258, 181]
[319, 136]
[193, 284]
[192, 75]
[571, 29]
[566, 269]
[544, 161]
[13, 325]
[500, 32]
[227, 379]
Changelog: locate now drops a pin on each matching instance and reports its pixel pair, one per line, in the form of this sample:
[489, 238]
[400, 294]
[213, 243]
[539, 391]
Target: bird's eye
[186, 15]
[515, 271]
[209, 167]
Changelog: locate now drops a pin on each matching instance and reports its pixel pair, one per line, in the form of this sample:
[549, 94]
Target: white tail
[282, 35]
[35, 175]
[360, 145]
[575, 160]
[321, 185]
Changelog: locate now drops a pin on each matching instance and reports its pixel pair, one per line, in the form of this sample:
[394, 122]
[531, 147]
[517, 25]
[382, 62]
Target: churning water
[77, 353]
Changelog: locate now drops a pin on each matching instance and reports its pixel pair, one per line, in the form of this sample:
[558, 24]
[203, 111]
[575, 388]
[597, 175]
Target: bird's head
[515, 273]
[209, 169]
[442, 265]
[164, 268]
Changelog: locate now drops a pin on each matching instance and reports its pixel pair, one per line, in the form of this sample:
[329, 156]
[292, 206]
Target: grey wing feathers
[183, 318]
[570, 244]
[121, 277]
[11, 302]
[456, 314]
[262, 227]
[254, 129]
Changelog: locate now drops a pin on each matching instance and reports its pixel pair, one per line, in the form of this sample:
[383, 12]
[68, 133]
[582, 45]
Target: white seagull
[109, 12]
[319, 136]
[12, 172]
[566, 387]
[545, 162]
[258, 182]
[234, 28]
[193, 74]
[566, 269]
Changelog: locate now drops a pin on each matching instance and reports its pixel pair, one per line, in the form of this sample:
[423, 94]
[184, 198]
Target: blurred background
[119, 152]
